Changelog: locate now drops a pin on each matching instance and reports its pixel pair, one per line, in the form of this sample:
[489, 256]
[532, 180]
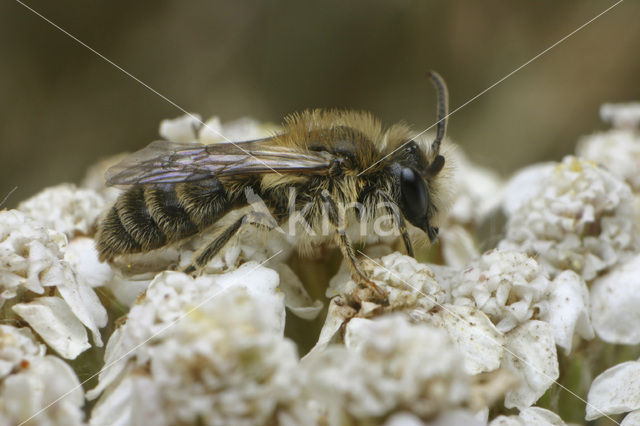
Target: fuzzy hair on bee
[328, 158]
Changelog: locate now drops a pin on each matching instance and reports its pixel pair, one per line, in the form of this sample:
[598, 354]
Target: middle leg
[337, 219]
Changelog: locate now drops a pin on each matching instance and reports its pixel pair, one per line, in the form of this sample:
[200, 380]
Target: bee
[330, 157]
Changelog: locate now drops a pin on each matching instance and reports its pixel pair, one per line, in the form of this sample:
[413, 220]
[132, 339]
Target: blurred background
[63, 108]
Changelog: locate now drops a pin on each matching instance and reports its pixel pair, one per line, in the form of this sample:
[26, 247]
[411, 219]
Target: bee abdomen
[205, 202]
[113, 238]
[167, 212]
[137, 221]
[149, 217]
[128, 227]
[187, 208]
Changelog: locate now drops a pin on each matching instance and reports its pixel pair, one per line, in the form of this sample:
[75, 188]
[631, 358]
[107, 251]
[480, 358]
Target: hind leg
[259, 219]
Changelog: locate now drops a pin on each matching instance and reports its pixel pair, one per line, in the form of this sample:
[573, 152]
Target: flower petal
[84, 304]
[48, 388]
[531, 353]
[631, 419]
[614, 391]
[475, 336]
[530, 416]
[568, 309]
[54, 321]
[181, 129]
[296, 297]
[615, 304]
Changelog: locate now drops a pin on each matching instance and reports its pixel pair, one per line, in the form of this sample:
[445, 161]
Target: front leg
[336, 218]
[398, 220]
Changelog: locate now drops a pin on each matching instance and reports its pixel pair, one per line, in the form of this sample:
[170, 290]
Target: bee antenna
[443, 108]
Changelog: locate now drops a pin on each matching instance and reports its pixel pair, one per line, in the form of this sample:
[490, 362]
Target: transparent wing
[171, 162]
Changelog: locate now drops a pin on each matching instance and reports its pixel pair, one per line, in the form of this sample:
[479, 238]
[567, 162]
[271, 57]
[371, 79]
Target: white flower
[29, 255]
[208, 349]
[81, 254]
[388, 365]
[476, 190]
[296, 298]
[508, 286]
[567, 309]
[581, 219]
[211, 131]
[621, 116]
[474, 335]
[616, 304]
[631, 419]
[617, 150]
[181, 129]
[458, 245]
[524, 185]
[134, 272]
[53, 320]
[528, 350]
[65, 208]
[409, 284]
[404, 419]
[242, 129]
[530, 416]
[531, 353]
[34, 386]
[31, 259]
[615, 391]
[17, 345]
[448, 418]
[191, 128]
[133, 401]
[512, 288]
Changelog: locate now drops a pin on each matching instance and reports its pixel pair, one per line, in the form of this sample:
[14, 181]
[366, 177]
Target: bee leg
[337, 220]
[254, 218]
[398, 220]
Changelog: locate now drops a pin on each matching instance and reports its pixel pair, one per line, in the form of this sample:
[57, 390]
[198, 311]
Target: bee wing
[171, 162]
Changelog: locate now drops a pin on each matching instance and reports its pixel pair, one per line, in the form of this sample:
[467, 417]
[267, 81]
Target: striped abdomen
[147, 217]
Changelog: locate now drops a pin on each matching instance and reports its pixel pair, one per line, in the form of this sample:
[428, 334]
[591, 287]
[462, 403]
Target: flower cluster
[472, 341]
[581, 218]
[34, 386]
[41, 288]
[386, 365]
[209, 348]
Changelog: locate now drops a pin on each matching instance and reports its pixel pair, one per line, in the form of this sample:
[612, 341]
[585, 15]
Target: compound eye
[414, 195]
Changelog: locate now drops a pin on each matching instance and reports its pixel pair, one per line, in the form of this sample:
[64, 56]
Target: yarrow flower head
[582, 219]
[622, 116]
[36, 387]
[513, 288]
[207, 349]
[32, 262]
[508, 286]
[449, 344]
[386, 365]
[66, 208]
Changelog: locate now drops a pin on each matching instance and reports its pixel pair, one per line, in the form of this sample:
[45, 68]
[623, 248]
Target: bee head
[413, 176]
[415, 171]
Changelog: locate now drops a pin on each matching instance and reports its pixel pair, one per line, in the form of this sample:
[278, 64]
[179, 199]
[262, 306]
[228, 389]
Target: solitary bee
[331, 158]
